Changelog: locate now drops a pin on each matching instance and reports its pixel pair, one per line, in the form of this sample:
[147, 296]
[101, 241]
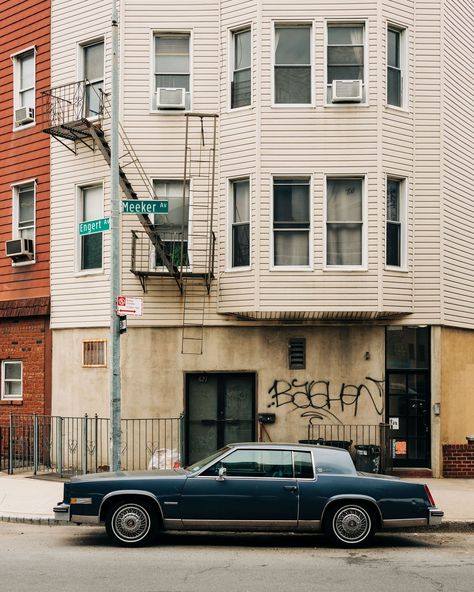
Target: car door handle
[290, 487]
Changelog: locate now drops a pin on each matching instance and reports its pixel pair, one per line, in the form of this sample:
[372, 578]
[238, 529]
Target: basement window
[94, 353]
[297, 353]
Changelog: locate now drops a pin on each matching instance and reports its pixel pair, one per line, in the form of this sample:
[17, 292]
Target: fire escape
[76, 115]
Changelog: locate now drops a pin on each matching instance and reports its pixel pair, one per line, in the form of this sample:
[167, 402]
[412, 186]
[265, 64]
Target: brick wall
[458, 460]
[28, 340]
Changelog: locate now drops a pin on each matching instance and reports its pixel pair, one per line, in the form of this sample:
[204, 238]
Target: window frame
[365, 84]
[403, 209]
[364, 238]
[298, 268]
[230, 223]
[153, 109]
[81, 74]
[16, 60]
[403, 49]
[79, 215]
[94, 341]
[231, 64]
[5, 397]
[16, 217]
[190, 221]
[295, 24]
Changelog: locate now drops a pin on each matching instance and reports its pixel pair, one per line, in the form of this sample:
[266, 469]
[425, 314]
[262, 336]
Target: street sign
[129, 306]
[94, 226]
[145, 206]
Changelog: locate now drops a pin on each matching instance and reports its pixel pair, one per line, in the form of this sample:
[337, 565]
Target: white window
[24, 101]
[241, 84]
[12, 380]
[240, 223]
[291, 222]
[24, 211]
[172, 71]
[344, 222]
[345, 60]
[93, 75]
[396, 223]
[91, 207]
[395, 66]
[174, 227]
[292, 64]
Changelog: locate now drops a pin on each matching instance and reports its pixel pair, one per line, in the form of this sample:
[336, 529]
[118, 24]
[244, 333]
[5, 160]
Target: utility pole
[115, 254]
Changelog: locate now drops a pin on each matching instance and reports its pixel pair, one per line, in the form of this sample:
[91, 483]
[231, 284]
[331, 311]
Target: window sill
[353, 105]
[396, 269]
[89, 272]
[11, 402]
[247, 268]
[345, 268]
[168, 112]
[292, 268]
[23, 263]
[23, 127]
[298, 106]
[396, 109]
[239, 109]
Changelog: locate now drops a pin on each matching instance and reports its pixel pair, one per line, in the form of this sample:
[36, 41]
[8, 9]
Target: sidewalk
[24, 498]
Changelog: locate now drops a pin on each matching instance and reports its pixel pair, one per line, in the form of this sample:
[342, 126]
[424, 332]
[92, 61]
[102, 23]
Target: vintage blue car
[250, 487]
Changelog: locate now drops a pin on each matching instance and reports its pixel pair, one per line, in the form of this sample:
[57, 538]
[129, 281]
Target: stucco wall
[457, 384]
[153, 371]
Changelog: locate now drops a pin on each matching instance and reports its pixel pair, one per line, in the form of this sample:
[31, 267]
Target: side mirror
[222, 473]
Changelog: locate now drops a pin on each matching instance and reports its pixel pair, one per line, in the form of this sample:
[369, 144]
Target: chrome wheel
[350, 525]
[130, 523]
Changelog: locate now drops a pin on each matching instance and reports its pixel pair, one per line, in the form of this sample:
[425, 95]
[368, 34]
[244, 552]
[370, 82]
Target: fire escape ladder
[199, 168]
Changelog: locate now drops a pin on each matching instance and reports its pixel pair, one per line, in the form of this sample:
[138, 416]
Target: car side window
[303, 465]
[333, 462]
[255, 463]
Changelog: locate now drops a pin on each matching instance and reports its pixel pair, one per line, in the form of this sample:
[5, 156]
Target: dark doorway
[220, 409]
[408, 395]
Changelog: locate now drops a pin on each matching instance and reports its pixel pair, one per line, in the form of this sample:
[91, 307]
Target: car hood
[130, 475]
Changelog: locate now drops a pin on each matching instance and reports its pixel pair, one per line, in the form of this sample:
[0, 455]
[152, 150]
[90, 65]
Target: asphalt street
[72, 558]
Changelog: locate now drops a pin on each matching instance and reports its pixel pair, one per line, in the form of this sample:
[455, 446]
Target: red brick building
[25, 338]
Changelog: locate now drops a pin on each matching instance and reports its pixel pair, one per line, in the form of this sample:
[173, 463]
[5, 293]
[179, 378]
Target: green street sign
[144, 206]
[93, 226]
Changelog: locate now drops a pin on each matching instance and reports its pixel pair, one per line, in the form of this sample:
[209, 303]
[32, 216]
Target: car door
[258, 491]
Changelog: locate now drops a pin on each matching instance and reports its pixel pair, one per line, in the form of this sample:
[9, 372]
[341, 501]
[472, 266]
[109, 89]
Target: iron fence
[369, 445]
[75, 445]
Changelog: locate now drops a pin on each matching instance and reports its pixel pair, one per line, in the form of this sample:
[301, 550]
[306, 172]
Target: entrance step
[412, 472]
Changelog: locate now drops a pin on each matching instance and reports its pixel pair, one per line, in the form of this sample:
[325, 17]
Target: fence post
[96, 418]
[84, 445]
[35, 444]
[10, 446]
[59, 445]
[181, 439]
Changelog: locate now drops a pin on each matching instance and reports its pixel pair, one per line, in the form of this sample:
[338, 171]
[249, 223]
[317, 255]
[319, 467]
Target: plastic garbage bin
[367, 458]
[346, 444]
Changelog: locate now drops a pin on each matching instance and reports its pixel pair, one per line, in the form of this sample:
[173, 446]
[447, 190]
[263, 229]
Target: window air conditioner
[346, 91]
[170, 98]
[24, 115]
[20, 249]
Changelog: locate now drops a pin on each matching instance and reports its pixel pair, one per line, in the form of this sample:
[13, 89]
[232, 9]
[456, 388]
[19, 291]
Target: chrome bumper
[61, 512]
[435, 516]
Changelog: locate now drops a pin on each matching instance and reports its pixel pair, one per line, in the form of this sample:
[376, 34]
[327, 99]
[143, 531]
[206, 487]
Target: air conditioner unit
[346, 91]
[24, 115]
[170, 98]
[20, 249]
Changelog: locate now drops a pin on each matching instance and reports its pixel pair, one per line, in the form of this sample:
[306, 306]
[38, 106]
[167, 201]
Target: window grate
[94, 353]
[297, 353]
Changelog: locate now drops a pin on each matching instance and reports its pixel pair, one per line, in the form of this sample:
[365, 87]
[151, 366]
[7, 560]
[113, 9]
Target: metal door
[220, 409]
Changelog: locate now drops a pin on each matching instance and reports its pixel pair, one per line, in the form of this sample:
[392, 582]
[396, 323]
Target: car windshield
[201, 463]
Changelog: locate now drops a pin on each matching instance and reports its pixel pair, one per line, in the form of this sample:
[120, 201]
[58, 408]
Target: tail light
[430, 497]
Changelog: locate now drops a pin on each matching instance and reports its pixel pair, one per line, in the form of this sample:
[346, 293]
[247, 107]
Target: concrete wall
[153, 371]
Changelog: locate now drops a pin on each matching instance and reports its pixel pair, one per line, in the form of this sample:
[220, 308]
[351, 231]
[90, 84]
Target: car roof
[284, 445]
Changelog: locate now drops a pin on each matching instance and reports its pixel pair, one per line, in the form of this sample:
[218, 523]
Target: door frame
[220, 403]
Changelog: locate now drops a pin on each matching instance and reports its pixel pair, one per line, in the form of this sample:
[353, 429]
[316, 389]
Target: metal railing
[70, 103]
[369, 445]
[76, 445]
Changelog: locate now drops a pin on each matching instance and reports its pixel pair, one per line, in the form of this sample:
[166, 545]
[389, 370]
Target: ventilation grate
[297, 353]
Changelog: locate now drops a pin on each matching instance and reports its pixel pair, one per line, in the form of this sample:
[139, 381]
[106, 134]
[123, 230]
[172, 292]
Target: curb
[447, 526]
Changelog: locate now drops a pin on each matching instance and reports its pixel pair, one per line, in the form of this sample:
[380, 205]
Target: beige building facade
[324, 286]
